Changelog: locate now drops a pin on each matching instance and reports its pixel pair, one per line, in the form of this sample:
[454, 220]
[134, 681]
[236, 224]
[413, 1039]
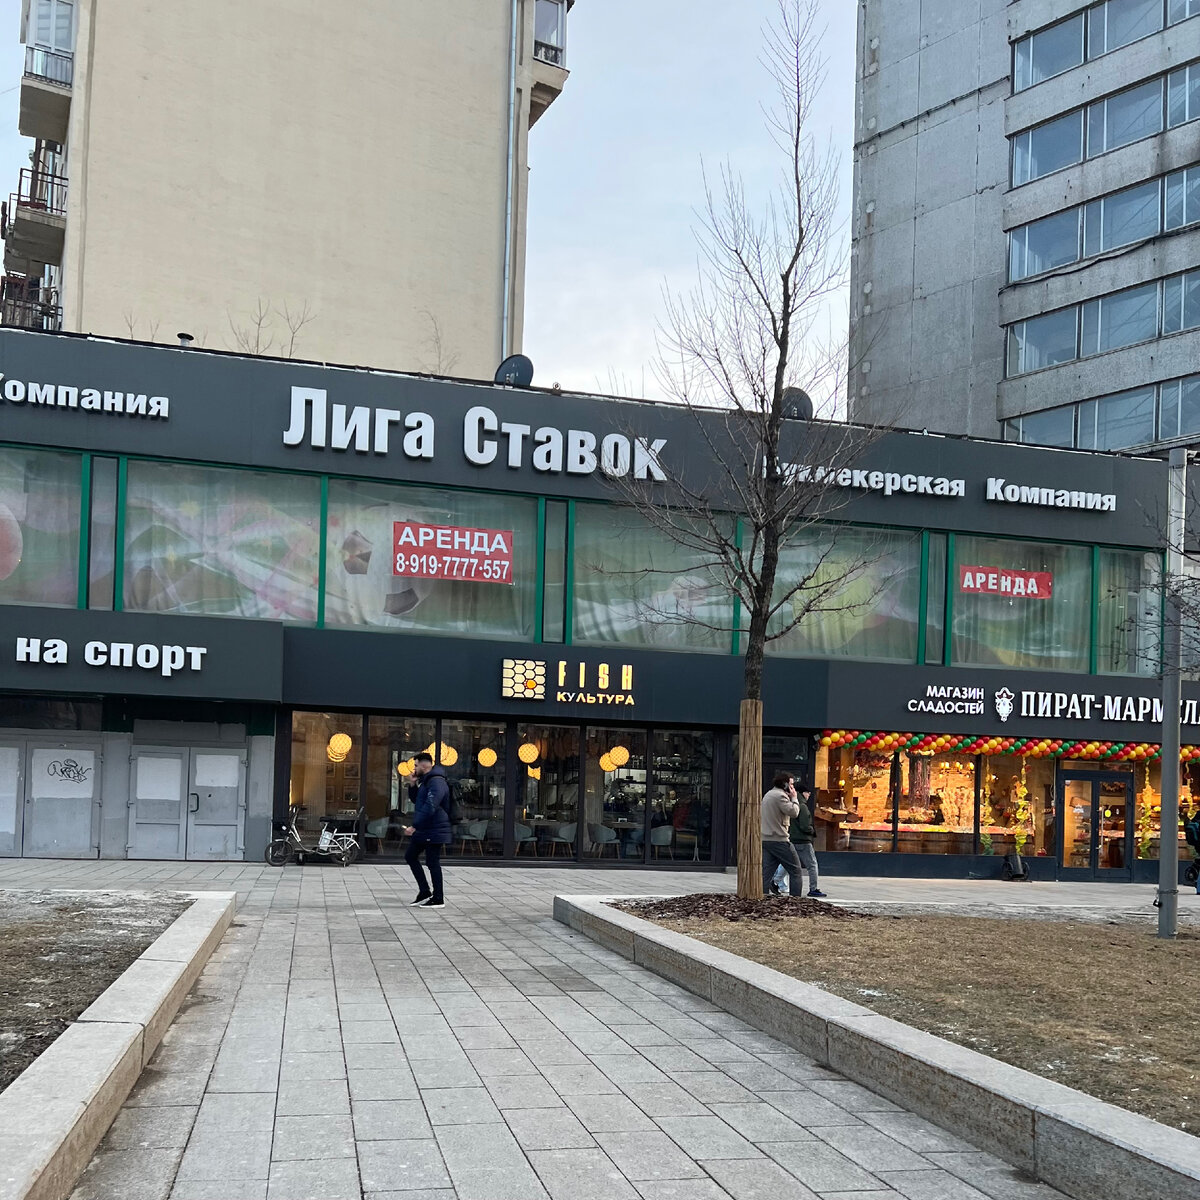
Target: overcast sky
[655, 90]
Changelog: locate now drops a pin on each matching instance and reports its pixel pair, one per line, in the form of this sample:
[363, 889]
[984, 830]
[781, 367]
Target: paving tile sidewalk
[341, 1045]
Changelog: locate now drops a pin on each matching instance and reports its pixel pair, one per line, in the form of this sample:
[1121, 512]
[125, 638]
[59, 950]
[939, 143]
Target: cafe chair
[564, 837]
[664, 835]
[523, 836]
[473, 831]
[602, 837]
[378, 829]
[495, 834]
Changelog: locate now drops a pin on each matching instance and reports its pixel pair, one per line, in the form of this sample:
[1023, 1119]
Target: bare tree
[256, 334]
[441, 360]
[752, 329]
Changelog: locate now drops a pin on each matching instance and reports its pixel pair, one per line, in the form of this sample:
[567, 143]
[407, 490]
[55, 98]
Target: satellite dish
[515, 371]
[796, 404]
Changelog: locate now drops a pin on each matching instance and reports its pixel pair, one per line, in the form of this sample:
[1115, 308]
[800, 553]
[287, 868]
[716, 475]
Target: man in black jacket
[430, 830]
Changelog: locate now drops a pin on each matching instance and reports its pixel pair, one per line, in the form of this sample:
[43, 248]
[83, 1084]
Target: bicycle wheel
[278, 852]
[353, 852]
[1192, 873]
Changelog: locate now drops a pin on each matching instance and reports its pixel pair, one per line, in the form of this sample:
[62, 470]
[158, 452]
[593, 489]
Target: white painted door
[61, 799]
[157, 802]
[216, 808]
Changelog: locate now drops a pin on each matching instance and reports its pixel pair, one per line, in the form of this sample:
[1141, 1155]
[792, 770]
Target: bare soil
[1099, 1005]
[58, 952]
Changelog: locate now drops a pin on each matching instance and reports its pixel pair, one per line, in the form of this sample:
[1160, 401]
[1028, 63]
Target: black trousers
[433, 857]
[781, 854]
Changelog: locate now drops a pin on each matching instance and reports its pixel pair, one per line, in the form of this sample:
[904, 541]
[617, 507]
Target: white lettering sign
[146, 656]
[37, 394]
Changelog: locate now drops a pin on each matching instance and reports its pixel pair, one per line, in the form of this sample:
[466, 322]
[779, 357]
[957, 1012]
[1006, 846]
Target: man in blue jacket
[430, 830]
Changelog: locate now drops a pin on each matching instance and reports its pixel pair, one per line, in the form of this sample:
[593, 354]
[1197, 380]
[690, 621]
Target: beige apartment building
[339, 182]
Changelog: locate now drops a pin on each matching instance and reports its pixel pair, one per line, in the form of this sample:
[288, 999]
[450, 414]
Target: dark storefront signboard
[66, 651]
[115, 398]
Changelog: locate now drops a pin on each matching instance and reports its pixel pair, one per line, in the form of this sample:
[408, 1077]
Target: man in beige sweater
[779, 806]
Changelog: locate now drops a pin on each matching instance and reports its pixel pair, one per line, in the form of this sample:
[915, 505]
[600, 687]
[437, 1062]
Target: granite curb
[1084, 1147]
[53, 1115]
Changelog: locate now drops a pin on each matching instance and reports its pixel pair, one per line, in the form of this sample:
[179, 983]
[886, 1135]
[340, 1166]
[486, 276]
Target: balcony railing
[53, 66]
[26, 304]
[548, 53]
[42, 191]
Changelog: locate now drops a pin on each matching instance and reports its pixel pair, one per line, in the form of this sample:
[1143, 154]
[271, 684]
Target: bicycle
[341, 846]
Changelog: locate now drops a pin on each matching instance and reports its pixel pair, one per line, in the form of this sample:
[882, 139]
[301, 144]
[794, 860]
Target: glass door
[1096, 820]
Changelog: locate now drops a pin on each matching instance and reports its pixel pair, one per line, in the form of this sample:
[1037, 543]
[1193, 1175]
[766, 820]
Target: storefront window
[474, 758]
[217, 542]
[937, 804]
[636, 586]
[862, 596]
[102, 537]
[1130, 612]
[326, 782]
[614, 795]
[39, 528]
[548, 787]
[935, 601]
[1148, 807]
[681, 796]
[1016, 808]
[392, 743]
[387, 569]
[1022, 604]
[855, 789]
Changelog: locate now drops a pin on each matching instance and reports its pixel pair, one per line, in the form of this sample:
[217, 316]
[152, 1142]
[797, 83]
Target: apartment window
[1118, 22]
[1048, 53]
[549, 30]
[1126, 117]
[1122, 319]
[1181, 302]
[1183, 95]
[1180, 10]
[1043, 341]
[1182, 197]
[1179, 408]
[1122, 218]
[1043, 245]
[1048, 148]
[1117, 422]
[52, 25]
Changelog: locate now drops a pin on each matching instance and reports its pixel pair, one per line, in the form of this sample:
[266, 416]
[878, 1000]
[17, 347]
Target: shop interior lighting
[487, 757]
[340, 743]
[606, 764]
[619, 755]
[527, 753]
[534, 772]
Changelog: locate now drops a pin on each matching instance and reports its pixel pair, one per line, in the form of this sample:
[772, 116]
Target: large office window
[1043, 245]
[1122, 319]
[1130, 613]
[1122, 218]
[1045, 624]
[407, 558]
[636, 586]
[219, 542]
[1183, 95]
[1117, 422]
[1181, 302]
[1179, 408]
[1180, 10]
[1048, 52]
[1053, 427]
[1182, 205]
[855, 592]
[39, 527]
[1116, 23]
[1043, 341]
[1128, 116]
[1047, 148]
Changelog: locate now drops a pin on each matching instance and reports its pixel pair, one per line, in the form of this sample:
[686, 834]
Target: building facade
[1026, 224]
[237, 591]
[333, 182]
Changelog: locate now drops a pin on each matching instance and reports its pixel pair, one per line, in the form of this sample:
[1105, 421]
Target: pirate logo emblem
[1004, 704]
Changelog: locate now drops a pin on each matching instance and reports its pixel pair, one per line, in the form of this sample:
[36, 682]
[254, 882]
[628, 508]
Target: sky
[656, 91]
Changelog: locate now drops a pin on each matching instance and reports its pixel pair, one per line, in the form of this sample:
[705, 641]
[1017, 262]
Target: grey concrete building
[1026, 256]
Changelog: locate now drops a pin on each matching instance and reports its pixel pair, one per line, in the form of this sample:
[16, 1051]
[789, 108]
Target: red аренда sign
[450, 552]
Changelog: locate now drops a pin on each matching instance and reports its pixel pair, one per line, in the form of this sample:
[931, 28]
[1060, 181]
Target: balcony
[35, 223]
[46, 94]
[554, 55]
[26, 304]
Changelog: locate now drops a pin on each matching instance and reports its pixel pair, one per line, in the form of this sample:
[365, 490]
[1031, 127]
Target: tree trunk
[749, 823]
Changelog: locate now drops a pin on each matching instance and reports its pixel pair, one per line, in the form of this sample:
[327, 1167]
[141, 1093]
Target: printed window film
[635, 586]
[39, 528]
[1130, 616]
[364, 587]
[214, 542]
[1025, 631]
[866, 586]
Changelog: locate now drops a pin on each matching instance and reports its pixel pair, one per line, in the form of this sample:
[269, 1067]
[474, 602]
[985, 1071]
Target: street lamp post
[1168, 828]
